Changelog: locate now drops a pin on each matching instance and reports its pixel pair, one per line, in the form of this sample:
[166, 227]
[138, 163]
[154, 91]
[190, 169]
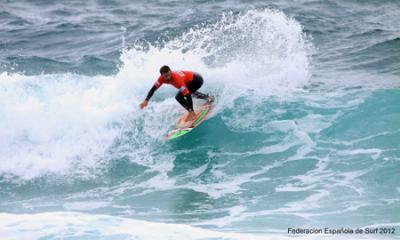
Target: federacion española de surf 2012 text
[342, 231]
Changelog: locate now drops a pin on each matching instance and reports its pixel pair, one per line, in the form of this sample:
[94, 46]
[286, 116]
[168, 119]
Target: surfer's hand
[144, 104]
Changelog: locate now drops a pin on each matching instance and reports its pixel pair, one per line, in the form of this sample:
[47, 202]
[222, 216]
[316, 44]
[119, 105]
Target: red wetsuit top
[179, 79]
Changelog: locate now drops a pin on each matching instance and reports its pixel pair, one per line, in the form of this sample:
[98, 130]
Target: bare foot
[190, 117]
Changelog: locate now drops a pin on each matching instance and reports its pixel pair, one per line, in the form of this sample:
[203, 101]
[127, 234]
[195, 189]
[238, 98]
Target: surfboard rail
[177, 132]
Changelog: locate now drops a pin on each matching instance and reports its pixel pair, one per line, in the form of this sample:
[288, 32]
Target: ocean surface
[306, 133]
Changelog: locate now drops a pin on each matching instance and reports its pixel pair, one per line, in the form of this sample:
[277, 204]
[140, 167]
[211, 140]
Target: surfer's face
[167, 75]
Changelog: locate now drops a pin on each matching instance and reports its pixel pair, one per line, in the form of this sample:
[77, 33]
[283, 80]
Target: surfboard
[181, 128]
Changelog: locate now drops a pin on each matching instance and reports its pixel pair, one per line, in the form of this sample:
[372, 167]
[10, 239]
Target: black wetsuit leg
[181, 100]
[196, 84]
[193, 86]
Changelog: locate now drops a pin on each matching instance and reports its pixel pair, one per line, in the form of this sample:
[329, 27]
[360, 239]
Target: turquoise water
[305, 134]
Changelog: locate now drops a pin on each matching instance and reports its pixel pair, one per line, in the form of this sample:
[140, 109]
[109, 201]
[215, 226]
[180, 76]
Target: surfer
[186, 82]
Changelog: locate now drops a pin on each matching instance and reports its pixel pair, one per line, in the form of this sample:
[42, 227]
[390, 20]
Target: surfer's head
[165, 71]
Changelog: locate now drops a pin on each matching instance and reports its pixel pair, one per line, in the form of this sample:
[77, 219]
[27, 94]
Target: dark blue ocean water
[305, 135]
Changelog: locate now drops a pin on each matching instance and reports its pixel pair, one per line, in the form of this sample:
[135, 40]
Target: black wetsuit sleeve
[189, 102]
[151, 92]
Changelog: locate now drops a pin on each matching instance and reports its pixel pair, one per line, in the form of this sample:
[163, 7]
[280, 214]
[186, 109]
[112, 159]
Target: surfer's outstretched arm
[149, 95]
[151, 92]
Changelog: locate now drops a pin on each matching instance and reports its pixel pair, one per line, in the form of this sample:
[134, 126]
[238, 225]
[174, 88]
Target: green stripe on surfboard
[186, 130]
[178, 134]
[201, 116]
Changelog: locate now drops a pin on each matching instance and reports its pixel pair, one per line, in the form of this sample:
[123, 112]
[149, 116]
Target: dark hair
[164, 69]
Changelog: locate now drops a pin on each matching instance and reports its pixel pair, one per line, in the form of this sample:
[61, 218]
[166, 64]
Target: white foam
[258, 52]
[84, 205]
[65, 124]
[77, 225]
[52, 123]
[375, 153]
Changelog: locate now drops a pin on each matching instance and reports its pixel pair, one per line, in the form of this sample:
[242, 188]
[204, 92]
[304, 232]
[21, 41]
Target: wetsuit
[187, 83]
